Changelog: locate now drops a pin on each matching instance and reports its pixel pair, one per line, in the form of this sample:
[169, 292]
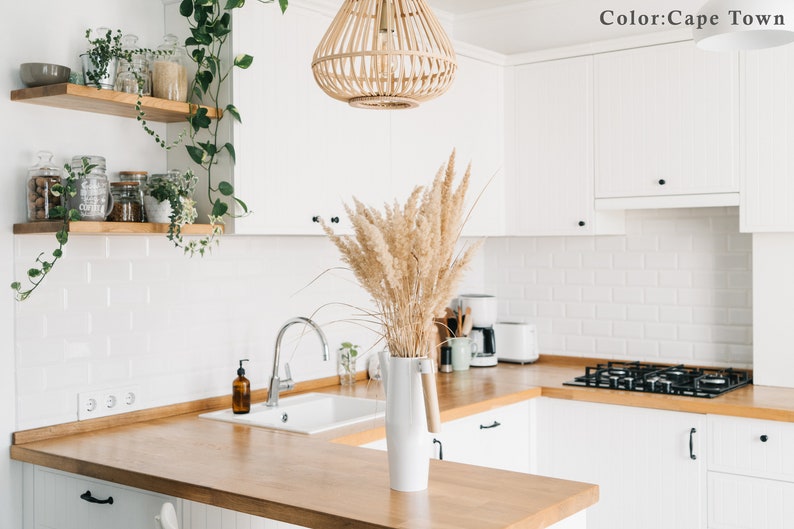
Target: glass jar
[169, 71]
[127, 205]
[133, 75]
[141, 177]
[41, 178]
[91, 200]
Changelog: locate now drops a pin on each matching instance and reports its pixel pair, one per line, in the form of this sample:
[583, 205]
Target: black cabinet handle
[335, 220]
[90, 499]
[440, 449]
[764, 438]
[582, 223]
[316, 218]
[494, 425]
[692, 455]
[662, 182]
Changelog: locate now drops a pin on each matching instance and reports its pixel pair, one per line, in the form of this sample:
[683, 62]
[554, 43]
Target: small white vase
[407, 438]
[156, 210]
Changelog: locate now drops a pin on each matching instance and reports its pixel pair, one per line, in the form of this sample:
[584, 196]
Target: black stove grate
[665, 379]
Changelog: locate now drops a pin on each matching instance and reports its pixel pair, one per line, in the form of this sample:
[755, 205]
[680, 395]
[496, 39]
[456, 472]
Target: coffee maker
[483, 314]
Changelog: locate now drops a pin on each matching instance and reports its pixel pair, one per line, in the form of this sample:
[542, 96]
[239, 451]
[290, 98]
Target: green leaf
[234, 4]
[230, 148]
[57, 253]
[34, 272]
[219, 208]
[226, 188]
[46, 266]
[186, 8]
[243, 61]
[16, 285]
[62, 236]
[201, 36]
[231, 109]
[190, 41]
[204, 78]
[196, 154]
[74, 214]
[242, 204]
[283, 5]
[58, 212]
[209, 148]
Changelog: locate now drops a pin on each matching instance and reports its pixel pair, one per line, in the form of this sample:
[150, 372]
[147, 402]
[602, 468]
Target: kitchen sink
[309, 413]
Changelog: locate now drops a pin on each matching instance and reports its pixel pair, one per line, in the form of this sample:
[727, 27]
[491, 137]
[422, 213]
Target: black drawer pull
[494, 425]
[335, 220]
[440, 449]
[692, 455]
[764, 438]
[90, 499]
[316, 218]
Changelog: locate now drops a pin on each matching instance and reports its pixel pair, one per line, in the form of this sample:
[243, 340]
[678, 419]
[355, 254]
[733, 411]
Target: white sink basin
[309, 413]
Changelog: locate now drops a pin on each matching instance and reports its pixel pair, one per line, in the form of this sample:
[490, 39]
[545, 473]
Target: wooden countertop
[311, 482]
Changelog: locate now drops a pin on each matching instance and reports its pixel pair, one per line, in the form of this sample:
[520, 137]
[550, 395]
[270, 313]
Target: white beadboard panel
[667, 113]
[768, 120]
[651, 297]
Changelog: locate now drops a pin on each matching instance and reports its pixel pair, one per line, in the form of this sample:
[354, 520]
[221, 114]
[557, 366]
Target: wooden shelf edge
[89, 99]
[107, 228]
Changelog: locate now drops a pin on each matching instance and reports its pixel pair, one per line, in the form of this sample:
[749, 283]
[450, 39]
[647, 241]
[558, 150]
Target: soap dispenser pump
[241, 391]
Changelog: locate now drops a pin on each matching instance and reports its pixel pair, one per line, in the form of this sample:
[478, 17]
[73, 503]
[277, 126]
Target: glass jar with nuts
[41, 178]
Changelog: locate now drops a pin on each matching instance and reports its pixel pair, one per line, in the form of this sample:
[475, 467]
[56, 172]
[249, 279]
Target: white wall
[52, 31]
[676, 288]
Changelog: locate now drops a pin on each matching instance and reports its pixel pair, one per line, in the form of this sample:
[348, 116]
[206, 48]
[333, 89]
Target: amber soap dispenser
[241, 391]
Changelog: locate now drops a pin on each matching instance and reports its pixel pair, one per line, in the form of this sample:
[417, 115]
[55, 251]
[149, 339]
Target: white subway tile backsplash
[678, 279]
[567, 293]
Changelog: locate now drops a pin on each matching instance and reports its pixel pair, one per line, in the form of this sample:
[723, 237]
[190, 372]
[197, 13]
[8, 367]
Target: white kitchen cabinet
[666, 122]
[201, 516]
[551, 190]
[640, 458]
[768, 119]
[300, 154]
[53, 500]
[750, 473]
[468, 118]
[499, 438]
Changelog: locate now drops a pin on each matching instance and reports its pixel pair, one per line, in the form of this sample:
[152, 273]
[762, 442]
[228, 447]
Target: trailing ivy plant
[67, 188]
[210, 27]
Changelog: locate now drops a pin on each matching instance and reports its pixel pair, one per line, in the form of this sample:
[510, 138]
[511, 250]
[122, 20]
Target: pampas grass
[405, 257]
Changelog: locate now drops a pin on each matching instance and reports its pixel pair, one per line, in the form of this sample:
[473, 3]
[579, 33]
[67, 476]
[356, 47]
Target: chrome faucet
[276, 384]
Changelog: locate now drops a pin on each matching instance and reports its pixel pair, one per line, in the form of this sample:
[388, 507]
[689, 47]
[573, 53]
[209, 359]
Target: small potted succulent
[101, 60]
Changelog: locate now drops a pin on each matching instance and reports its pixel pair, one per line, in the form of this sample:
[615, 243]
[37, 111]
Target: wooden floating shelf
[100, 228]
[89, 99]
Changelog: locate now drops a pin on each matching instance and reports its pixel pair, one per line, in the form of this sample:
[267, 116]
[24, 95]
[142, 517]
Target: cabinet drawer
[751, 447]
[57, 503]
[738, 502]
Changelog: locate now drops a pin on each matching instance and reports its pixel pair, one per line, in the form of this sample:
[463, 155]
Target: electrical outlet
[112, 401]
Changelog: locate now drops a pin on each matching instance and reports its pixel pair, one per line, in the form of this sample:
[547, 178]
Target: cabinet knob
[335, 220]
[582, 223]
[764, 438]
[662, 182]
[316, 218]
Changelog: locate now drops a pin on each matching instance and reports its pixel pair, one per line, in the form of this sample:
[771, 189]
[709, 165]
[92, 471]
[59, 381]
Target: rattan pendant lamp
[384, 54]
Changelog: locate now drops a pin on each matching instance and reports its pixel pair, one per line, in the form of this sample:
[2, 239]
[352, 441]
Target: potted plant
[101, 59]
[346, 363]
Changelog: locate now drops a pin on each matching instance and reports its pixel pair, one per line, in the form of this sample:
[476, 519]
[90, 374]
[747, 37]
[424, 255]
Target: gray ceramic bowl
[43, 73]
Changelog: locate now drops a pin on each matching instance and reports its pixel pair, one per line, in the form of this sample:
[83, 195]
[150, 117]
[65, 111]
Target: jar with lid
[41, 178]
[169, 71]
[133, 74]
[92, 198]
[127, 206]
[141, 177]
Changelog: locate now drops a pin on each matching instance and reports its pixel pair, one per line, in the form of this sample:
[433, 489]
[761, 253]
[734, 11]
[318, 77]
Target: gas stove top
[666, 379]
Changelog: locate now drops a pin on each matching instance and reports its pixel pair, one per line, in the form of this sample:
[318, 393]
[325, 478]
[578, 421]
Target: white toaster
[516, 342]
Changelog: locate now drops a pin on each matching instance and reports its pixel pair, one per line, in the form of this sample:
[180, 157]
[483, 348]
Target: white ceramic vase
[407, 438]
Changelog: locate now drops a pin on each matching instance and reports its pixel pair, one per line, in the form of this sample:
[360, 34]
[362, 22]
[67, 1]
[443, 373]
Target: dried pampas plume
[405, 257]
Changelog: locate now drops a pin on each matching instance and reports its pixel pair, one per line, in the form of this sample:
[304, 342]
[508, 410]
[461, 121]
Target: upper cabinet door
[768, 117]
[666, 122]
[300, 154]
[552, 188]
[468, 118]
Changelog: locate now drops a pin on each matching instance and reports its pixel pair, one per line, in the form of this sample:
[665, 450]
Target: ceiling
[516, 26]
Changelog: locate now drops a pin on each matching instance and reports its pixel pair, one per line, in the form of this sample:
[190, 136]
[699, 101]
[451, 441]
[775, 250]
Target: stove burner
[656, 378]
